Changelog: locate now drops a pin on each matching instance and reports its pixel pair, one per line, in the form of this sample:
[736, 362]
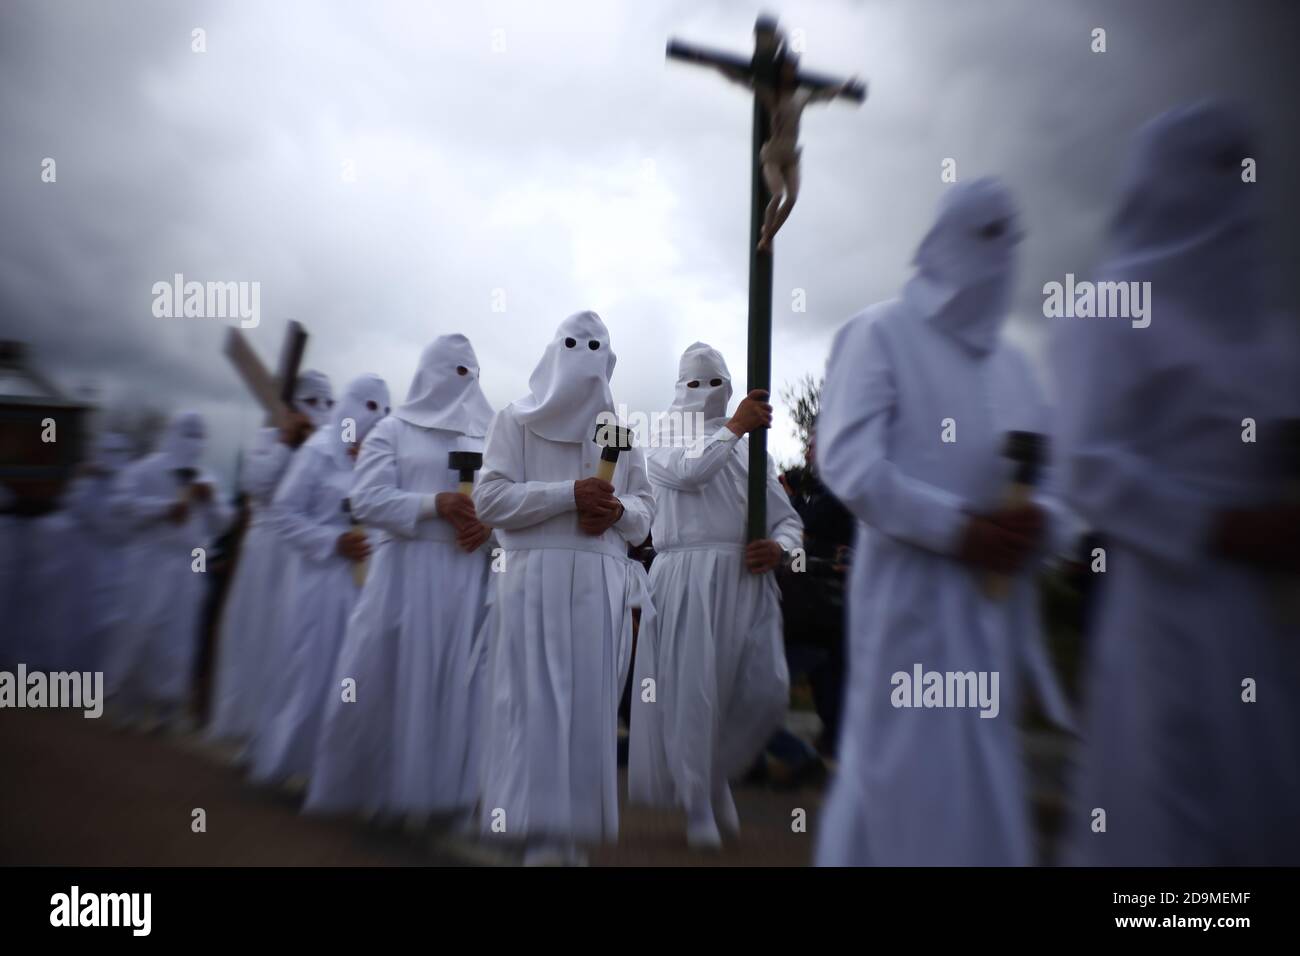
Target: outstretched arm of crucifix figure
[780, 154]
[826, 93]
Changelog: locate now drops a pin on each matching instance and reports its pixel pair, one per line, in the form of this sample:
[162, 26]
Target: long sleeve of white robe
[138, 509]
[504, 500]
[853, 452]
[142, 507]
[690, 467]
[693, 464]
[291, 510]
[1111, 478]
[264, 466]
[378, 500]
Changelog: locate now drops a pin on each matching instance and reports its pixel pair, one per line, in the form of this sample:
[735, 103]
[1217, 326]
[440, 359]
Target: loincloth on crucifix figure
[784, 100]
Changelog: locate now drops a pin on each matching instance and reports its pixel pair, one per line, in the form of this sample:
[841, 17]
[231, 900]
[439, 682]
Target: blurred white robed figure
[171, 507]
[716, 657]
[1193, 519]
[319, 589]
[405, 744]
[82, 546]
[558, 637]
[941, 786]
[248, 626]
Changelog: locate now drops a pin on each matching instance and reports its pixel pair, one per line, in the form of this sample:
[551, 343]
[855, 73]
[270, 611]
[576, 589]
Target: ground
[78, 792]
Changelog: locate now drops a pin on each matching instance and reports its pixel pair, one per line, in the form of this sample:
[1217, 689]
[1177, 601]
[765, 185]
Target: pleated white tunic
[318, 594]
[558, 637]
[717, 657]
[249, 620]
[152, 653]
[406, 744]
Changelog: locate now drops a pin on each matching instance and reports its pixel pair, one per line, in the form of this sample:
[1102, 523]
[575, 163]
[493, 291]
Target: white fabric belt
[595, 545]
[703, 546]
[424, 531]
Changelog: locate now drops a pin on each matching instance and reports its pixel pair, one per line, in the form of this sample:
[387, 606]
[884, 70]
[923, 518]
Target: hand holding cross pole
[762, 72]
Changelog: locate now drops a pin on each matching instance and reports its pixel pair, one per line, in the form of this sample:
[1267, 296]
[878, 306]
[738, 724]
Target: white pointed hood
[314, 397]
[183, 440]
[569, 388]
[1187, 223]
[354, 408]
[965, 264]
[441, 397]
[702, 365]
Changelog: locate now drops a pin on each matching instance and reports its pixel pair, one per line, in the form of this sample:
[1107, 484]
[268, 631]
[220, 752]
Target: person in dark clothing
[813, 599]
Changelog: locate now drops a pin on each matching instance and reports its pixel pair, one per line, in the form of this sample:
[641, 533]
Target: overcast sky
[548, 150]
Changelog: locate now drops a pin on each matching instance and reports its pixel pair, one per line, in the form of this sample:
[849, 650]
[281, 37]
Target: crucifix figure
[781, 91]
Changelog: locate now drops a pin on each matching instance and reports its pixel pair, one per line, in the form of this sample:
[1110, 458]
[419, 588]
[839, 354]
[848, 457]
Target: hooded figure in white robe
[717, 657]
[171, 507]
[249, 619]
[404, 745]
[921, 785]
[81, 566]
[558, 637]
[310, 512]
[1192, 741]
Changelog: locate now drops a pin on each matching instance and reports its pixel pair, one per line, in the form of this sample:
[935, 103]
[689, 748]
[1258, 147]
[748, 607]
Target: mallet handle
[605, 470]
[997, 586]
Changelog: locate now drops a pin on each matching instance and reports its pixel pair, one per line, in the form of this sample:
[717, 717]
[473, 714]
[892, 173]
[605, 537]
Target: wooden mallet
[612, 440]
[465, 463]
[1028, 451]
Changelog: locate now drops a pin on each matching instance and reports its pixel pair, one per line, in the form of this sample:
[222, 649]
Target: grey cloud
[576, 169]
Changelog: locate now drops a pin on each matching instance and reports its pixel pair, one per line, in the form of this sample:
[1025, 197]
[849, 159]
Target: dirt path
[78, 792]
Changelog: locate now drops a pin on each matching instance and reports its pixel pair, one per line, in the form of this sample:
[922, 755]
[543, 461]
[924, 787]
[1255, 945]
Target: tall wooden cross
[761, 68]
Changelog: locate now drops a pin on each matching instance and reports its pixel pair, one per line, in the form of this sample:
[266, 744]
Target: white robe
[1188, 773]
[152, 654]
[317, 595]
[406, 743]
[717, 656]
[249, 620]
[940, 786]
[1153, 423]
[85, 570]
[558, 635]
[55, 573]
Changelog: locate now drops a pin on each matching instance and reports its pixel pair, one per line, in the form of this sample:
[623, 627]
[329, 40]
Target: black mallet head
[465, 463]
[1029, 451]
[612, 440]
